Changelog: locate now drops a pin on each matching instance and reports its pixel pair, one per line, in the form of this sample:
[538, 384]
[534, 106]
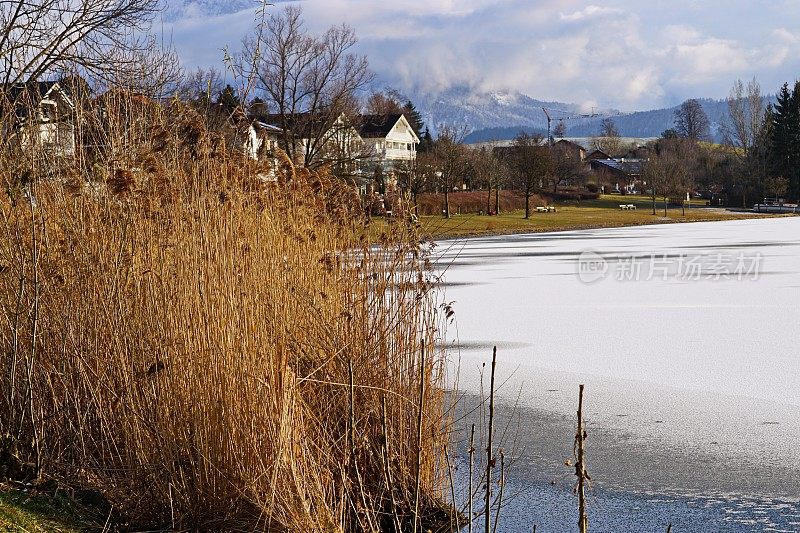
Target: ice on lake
[684, 334]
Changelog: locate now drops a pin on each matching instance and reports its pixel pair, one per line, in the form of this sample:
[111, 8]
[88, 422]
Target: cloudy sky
[626, 54]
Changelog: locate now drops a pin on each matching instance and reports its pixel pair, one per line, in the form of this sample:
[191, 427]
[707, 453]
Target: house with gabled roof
[392, 144]
[574, 150]
[391, 136]
[42, 116]
[316, 138]
[624, 174]
[598, 154]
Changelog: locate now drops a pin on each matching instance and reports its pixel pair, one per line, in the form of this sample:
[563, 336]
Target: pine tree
[785, 149]
[426, 142]
[228, 99]
[413, 117]
[794, 146]
[761, 152]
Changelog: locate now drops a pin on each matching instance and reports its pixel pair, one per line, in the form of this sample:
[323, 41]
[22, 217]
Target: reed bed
[208, 349]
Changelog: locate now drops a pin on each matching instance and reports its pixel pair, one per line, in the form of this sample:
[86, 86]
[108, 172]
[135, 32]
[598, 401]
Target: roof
[374, 126]
[630, 167]
[35, 90]
[570, 144]
[304, 125]
[268, 127]
[598, 154]
[21, 95]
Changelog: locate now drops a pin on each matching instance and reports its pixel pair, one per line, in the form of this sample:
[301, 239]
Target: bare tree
[691, 121]
[567, 168]
[746, 110]
[450, 156]
[310, 82]
[668, 175]
[489, 173]
[384, 103]
[106, 39]
[200, 86]
[776, 186]
[560, 131]
[608, 139]
[416, 177]
[529, 163]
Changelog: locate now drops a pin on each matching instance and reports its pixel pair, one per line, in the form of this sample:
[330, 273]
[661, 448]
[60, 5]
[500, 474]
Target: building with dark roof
[598, 154]
[391, 137]
[43, 116]
[575, 150]
[623, 173]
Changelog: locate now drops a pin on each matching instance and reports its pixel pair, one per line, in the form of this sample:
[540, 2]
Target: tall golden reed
[179, 334]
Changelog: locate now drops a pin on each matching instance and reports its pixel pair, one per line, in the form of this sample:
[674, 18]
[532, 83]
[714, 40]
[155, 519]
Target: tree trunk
[489, 200]
[665, 206]
[446, 202]
[654, 201]
[497, 200]
[527, 204]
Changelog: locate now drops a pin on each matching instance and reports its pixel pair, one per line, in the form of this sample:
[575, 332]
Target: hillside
[491, 116]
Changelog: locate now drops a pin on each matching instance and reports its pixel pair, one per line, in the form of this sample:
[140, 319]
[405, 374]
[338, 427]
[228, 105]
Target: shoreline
[473, 234]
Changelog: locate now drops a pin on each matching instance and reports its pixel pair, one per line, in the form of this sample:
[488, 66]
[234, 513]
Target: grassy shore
[34, 513]
[601, 213]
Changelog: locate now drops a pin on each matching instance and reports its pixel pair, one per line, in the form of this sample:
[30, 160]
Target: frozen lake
[686, 338]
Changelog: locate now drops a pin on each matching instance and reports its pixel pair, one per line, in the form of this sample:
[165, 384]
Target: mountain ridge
[497, 115]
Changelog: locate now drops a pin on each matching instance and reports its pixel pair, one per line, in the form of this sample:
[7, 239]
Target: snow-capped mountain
[463, 107]
[503, 115]
[182, 9]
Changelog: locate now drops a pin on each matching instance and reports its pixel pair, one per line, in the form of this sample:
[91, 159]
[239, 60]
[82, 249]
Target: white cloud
[591, 11]
[622, 53]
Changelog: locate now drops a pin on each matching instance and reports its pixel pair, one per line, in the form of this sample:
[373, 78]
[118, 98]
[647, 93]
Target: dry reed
[182, 336]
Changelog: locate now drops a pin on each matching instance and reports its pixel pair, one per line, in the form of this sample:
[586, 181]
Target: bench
[541, 209]
[626, 207]
[631, 206]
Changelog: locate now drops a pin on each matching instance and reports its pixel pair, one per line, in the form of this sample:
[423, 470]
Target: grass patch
[587, 214]
[24, 511]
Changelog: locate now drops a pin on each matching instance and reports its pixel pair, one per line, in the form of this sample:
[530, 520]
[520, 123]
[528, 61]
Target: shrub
[474, 202]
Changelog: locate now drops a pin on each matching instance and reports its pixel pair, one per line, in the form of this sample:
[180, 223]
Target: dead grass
[211, 351]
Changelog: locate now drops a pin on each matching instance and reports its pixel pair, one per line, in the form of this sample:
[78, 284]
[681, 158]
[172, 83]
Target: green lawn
[603, 212]
[39, 513]
[614, 201]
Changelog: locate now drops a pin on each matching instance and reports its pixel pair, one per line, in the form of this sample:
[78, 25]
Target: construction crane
[550, 120]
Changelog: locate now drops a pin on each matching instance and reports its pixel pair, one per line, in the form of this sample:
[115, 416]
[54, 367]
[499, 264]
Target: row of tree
[528, 166]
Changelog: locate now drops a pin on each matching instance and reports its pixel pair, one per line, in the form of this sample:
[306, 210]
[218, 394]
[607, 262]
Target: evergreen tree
[413, 117]
[228, 99]
[426, 142]
[785, 149]
[761, 152]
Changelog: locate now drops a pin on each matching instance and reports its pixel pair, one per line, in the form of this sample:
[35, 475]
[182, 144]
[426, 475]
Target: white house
[44, 117]
[262, 139]
[392, 138]
[317, 138]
